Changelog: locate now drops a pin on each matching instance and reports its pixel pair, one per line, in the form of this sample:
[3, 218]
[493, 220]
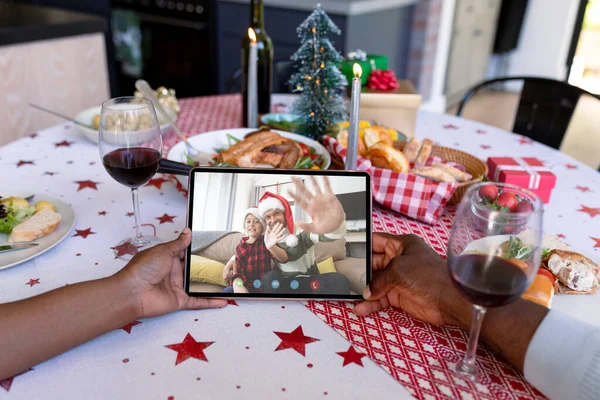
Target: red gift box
[526, 172]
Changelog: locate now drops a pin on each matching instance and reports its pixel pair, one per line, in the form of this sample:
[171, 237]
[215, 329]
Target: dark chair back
[545, 107]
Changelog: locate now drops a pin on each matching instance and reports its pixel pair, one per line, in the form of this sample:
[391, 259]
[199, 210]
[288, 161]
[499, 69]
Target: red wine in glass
[485, 281]
[130, 145]
[132, 167]
[493, 254]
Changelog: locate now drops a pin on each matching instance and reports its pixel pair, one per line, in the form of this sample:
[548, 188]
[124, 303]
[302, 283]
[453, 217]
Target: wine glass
[131, 147]
[493, 253]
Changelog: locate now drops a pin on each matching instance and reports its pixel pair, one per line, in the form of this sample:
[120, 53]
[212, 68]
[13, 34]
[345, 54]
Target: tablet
[278, 234]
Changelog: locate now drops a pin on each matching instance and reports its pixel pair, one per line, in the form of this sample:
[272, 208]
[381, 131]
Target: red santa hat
[254, 211]
[272, 201]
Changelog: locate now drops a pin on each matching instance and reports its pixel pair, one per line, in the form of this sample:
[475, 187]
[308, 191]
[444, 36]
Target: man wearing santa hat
[300, 273]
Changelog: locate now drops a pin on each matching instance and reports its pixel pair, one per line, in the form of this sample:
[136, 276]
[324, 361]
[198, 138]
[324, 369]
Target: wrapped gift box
[526, 172]
[378, 62]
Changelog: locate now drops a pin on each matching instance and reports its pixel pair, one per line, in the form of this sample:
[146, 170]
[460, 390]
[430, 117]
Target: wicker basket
[473, 165]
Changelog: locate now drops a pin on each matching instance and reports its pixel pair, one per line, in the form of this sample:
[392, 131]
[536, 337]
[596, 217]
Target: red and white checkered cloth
[414, 196]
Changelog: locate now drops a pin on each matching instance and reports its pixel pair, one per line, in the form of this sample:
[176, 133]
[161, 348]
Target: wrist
[125, 290]
[456, 311]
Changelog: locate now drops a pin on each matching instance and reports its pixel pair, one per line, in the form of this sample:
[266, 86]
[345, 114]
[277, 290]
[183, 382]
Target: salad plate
[12, 258]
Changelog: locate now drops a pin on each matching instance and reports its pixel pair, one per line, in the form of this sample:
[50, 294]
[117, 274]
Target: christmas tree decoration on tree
[318, 79]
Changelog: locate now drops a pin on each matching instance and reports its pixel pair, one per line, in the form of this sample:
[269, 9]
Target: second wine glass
[130, 147]
[494, 252]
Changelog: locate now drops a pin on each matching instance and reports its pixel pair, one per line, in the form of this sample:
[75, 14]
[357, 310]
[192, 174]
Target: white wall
[545, 39]
[437, 99]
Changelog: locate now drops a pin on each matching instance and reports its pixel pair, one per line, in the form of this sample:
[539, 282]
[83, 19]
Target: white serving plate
[86, 117]
[12, 258]
[218, 139]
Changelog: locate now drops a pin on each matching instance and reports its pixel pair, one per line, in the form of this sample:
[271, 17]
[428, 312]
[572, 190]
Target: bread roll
[424, 153]
[376, 134]
[541, 291]
[342, 138]
[411, 149]
[434, 174]
[383, 155]
[459, 175]
[42, 223]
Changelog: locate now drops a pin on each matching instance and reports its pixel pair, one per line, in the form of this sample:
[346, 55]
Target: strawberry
[524, 206]
[489, 192]
[508, 200]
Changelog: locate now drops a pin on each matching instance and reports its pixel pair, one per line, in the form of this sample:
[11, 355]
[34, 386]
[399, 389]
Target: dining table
[263, 349]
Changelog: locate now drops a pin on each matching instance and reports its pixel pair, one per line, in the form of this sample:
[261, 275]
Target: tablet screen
[279, 234]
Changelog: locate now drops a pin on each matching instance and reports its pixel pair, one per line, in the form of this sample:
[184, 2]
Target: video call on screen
[248, 222]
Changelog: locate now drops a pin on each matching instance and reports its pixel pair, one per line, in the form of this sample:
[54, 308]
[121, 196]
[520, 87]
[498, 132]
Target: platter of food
[251, 148]
[562, 271]
[40, 222]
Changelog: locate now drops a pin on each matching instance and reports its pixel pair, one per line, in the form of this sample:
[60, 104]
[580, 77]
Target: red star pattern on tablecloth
[157, 182]
[87, 184]
[294, 340]
[571, 166]
[232, 303]
[125, 248]
[23, 162]
[7, 383]
[485, 146]
[591, 211]
[50, 173]
[84, 233]
[597, 240]
[584, 189]
[166, 218]
[525, 140]
[352, 356]
[450, 126]
[33, 282]
[127, 328]
[102, 212]
[189, 348]
[64, 143]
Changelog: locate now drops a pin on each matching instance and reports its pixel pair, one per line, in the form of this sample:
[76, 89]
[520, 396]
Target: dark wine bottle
[264, 70]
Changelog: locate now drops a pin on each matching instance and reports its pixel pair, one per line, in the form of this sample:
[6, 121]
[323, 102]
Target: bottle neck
[257, 20]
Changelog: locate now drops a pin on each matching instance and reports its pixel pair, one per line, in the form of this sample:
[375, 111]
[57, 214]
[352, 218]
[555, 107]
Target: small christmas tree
[318, 79]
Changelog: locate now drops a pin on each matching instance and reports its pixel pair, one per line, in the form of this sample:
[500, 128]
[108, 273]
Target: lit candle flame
[252, 35]
[357, 70]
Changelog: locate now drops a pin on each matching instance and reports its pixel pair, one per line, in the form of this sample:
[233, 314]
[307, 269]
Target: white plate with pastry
[45, 228]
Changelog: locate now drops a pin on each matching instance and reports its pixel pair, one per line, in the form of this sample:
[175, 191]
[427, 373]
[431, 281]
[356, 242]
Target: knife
[16, 246]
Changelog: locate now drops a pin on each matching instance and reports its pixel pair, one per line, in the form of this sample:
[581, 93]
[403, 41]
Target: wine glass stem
[467, 366]
[139, 238]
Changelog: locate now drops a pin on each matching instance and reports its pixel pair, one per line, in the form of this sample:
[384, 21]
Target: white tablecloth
[243, 360]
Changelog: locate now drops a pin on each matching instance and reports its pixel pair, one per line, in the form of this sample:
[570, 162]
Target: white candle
[352, 151]
[252, 83]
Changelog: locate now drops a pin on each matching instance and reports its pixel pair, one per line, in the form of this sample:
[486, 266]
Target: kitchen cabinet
[473, 34]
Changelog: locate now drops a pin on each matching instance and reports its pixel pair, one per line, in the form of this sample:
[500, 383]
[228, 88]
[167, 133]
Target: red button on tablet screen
[314, 285]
